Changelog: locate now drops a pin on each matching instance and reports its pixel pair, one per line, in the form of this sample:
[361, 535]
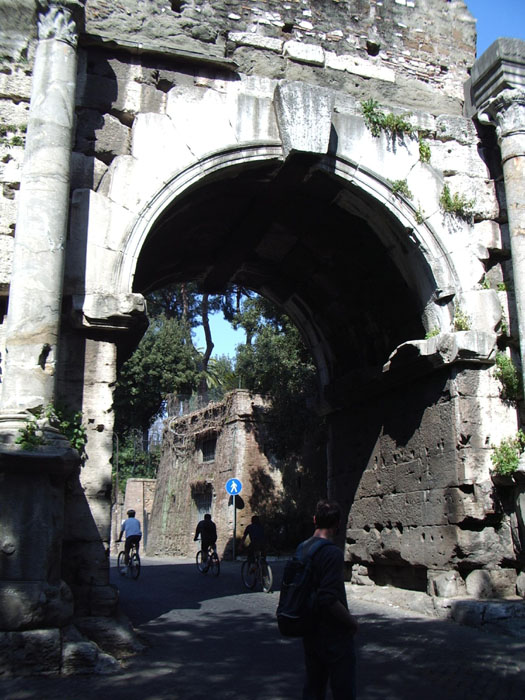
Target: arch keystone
[304, 117]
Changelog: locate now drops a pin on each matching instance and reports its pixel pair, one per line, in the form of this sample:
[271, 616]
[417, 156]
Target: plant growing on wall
[424, 150]
[30, 435]
[456, 204]
[433, 332]
[461, 321]
[17, 137]
[507, 373]
[401, 187]
[506, 456]
[377, 121]
[70, 426]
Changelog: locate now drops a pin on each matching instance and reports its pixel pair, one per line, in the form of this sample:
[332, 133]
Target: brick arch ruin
[227, 150]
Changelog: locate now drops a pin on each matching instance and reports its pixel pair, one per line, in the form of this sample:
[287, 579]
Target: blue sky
[494, 19]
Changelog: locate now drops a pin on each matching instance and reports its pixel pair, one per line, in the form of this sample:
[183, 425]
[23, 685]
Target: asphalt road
[208, 637]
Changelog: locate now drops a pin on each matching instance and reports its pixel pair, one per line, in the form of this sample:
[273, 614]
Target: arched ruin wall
[418, 478]
[131, 106]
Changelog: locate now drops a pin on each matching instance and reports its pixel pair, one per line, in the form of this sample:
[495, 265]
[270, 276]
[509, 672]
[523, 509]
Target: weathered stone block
[488, 547]
[102, 135]
[358, 66]
[203, 119]
[478, 584]
[481, 193]
[491, 583]
[304, 117]
[454, 128]
[256, 40]
[114, 635]
[304, 53]
[446, 584]
[452, 158]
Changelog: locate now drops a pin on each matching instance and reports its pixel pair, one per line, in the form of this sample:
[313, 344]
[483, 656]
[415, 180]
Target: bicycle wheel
[266, 577]
[248, 574]
[134, 565]
[215, 564]
[203, 568]
[121, 565]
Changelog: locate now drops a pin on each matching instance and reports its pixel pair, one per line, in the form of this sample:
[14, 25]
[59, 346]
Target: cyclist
[255, 531]
[208, 533]
[131, 527]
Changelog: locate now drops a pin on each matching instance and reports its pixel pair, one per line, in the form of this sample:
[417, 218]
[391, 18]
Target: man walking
[329, 649]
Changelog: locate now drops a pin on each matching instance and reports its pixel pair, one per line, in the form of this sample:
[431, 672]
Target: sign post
[234, 487]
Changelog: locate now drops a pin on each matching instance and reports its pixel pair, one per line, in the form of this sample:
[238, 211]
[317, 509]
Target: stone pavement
[208, 637]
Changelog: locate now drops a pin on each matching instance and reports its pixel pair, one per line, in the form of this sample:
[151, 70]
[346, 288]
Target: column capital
[506, 112]
[57, 19]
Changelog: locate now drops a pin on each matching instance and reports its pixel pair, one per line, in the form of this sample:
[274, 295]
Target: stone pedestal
[32, 593]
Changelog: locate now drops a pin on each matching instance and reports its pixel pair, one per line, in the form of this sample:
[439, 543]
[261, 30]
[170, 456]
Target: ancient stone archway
[222, 149]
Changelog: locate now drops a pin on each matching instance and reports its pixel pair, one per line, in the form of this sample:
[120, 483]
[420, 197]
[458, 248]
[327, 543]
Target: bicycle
[211, 563]
[257, 571]
[132, 568]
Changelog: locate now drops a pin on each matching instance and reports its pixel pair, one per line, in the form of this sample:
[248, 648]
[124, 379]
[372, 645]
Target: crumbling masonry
[349, 160]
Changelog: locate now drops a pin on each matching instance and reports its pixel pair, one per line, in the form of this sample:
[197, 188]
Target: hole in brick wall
[287, 27]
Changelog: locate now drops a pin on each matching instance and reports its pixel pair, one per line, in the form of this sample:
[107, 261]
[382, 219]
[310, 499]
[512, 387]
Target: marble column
[495, 94]
[32, 592]
[507, 112]
[35, 295]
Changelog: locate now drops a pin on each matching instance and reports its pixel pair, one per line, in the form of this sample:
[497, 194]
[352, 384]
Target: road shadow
[212, 638]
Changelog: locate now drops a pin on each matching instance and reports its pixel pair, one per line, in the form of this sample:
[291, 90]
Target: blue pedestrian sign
[234, 487]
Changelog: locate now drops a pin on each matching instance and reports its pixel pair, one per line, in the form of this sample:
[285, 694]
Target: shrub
[510, 378]
[506, 456]
[424, 151]
[30, 435]
[377, 121]
[432, 333]
[461, 321]
[456, 204]
[401, 187]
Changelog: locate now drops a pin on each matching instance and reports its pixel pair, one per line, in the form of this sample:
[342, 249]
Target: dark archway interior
[287, 232]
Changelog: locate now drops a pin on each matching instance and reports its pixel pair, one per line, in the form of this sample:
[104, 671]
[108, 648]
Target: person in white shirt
[131, 528]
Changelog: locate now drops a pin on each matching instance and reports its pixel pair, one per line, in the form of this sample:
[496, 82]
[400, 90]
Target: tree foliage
[277, 363]
[164, 362]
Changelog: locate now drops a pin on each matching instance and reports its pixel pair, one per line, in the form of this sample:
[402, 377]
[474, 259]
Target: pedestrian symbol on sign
[233, 487]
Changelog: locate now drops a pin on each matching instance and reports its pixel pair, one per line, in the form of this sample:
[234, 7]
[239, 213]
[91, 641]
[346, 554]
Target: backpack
[295, 612]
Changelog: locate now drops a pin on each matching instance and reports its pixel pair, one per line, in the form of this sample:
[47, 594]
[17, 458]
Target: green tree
[164, 362]
[276, 362]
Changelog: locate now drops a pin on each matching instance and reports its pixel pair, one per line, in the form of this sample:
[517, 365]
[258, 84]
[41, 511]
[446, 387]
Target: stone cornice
[501, 67]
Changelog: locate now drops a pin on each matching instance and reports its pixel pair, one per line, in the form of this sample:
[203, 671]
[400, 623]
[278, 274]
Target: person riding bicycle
[131, 527]
[255, 531]
[208, 533]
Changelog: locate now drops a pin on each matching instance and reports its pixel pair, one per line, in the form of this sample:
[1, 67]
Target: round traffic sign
[234, 487]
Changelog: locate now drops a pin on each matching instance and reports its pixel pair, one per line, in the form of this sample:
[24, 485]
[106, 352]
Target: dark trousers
[205, 544]
[132, 539]
[329, 659]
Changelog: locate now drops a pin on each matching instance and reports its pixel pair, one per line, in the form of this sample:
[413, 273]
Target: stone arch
[425, 265]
